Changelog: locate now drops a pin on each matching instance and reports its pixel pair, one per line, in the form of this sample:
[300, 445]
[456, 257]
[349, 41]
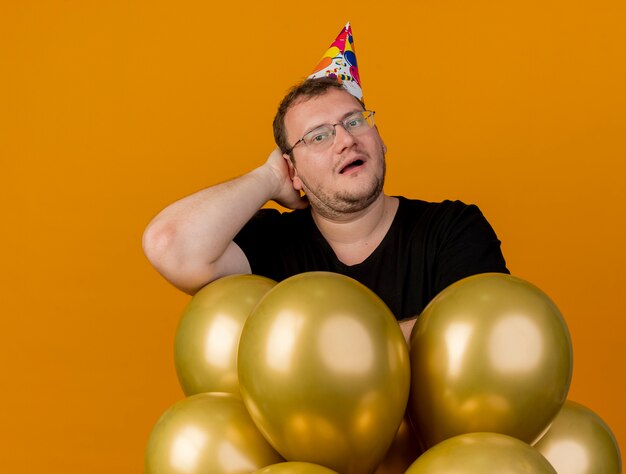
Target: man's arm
[190, 242]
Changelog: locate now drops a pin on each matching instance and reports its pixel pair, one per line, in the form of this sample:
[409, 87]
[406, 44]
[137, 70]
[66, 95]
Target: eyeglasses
[324, 135]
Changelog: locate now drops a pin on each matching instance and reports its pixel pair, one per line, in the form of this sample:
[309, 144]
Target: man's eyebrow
[355, 111]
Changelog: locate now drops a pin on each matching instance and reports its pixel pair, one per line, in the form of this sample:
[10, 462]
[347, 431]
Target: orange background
[111, 110]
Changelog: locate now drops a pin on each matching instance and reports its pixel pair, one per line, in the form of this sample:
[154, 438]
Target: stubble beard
[342, 203]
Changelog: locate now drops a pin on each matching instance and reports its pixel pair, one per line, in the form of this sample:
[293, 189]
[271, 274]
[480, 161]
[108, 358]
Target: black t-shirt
[428, 247]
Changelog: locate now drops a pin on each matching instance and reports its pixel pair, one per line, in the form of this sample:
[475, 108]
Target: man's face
[347, 176]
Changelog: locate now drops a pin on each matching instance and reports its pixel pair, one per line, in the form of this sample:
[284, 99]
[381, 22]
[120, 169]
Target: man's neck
[355, 236]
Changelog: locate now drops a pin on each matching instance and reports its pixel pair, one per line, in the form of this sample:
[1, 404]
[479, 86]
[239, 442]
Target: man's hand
[284, 192]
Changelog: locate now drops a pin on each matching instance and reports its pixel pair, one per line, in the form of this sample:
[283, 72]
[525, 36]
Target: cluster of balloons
[313, 376]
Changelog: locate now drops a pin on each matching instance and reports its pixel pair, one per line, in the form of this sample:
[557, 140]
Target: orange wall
[110, 110]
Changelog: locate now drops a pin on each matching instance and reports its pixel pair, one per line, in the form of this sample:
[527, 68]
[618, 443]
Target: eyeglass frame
[370, 114]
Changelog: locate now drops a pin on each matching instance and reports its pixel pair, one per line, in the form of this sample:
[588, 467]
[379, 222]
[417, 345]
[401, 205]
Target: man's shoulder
[436, 218]
[274, 217]
[436, 207]
[271, 227]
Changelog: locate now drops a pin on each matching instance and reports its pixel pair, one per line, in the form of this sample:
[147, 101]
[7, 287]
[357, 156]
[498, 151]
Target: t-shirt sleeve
[260, 240]
[467, 246]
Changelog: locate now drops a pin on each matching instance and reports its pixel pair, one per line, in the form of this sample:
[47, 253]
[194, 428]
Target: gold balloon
[207, 337]
[403, 451]
[208, 432]
[295, 468]
[490, 353]
[481, 453]
[324, 371]
[580, 442]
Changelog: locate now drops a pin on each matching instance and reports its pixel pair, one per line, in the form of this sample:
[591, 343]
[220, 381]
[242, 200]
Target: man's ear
[293, 173]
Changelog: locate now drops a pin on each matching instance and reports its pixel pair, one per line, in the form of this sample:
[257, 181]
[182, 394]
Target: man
[329, 149]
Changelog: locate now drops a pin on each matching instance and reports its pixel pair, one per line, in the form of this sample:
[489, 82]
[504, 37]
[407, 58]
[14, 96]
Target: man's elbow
[157, 243]
[160, 248]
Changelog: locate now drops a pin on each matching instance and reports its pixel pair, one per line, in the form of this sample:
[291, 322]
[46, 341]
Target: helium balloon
[208, 432]
[490, 353]
[295, 468]
[324, 371]
[580, 442]
[481, 453]
[207, 337]
[404, 449]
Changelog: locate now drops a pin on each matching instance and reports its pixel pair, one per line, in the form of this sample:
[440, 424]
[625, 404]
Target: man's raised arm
[190, 242]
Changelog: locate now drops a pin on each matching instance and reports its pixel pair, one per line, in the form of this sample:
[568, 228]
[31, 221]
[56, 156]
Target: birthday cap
[339, 62]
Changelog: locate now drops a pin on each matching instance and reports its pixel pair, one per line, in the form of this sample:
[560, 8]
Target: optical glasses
[324, 135]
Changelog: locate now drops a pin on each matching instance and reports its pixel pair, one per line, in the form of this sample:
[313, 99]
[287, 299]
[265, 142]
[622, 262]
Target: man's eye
[354, 122]
[319, 137]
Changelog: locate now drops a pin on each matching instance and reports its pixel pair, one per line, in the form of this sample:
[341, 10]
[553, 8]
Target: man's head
[301, 92]
[344, 172]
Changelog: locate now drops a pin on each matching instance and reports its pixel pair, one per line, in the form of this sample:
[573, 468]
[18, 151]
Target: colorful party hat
[340, 62]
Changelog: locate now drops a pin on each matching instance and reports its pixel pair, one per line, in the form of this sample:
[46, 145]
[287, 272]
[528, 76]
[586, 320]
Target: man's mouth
[351, 166]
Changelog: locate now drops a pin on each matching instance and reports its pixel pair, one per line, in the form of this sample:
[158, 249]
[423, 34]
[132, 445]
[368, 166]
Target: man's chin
[356, 202]
[345, 202]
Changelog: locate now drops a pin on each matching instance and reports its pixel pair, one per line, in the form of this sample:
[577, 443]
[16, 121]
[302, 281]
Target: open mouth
[351, 166]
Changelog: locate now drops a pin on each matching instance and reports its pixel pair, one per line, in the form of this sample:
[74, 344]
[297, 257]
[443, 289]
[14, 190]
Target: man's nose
[343, 138]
